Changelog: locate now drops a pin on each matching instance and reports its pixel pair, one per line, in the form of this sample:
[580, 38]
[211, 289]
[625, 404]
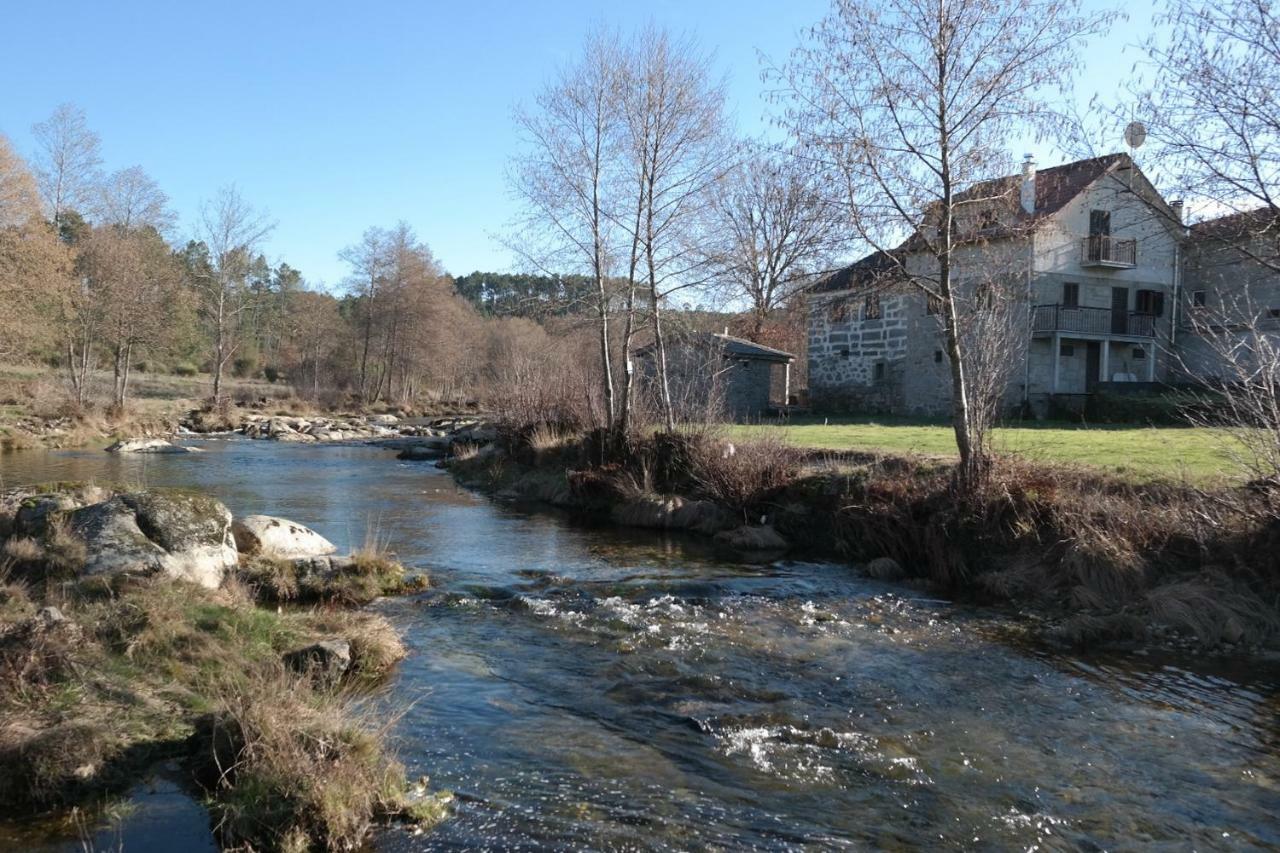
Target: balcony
[1102, 251]
[1092, 321]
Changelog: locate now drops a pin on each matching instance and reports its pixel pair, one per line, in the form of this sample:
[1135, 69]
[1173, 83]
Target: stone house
[739, 379]
[1231, 291]
[1088, 252]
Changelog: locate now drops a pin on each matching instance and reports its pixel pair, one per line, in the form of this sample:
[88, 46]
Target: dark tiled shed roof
[743, 348]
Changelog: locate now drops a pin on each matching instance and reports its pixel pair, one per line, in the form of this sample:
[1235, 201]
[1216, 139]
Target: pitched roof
[1236, 225]
[730, 345]
[1056, 186]
[750, 349]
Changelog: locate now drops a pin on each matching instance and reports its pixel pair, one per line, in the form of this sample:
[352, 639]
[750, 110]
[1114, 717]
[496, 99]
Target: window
[1139, 354]
[1150, 302]
[1099, 223]
[937, 356]
[1070, 295]
[1067, 351]
[1197, 299]
[844, 353]
[987, 220]
[838, 311]
[932, 305]
[871, 307]
[878, 371]
[1273, 313]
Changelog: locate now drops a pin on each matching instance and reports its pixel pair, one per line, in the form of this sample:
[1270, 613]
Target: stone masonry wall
[845, 346]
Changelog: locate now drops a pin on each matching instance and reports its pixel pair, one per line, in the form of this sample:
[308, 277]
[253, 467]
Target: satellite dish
[1135, 134]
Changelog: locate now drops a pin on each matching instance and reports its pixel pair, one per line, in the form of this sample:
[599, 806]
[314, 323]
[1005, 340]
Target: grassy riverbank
[102, 677]
[1102, 559]
[1198, 455]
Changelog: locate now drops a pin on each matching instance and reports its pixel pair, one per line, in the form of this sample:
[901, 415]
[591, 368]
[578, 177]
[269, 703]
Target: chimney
[1177, 209]
[1029, 184]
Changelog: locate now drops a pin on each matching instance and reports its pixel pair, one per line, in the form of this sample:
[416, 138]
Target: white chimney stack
[1029, 184]
[1177, 209]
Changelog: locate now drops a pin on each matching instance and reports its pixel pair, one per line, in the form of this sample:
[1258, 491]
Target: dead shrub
[464, 451]
[742, 477]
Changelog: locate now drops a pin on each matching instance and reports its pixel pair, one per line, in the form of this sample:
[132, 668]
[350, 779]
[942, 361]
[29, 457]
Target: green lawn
[1197, 454]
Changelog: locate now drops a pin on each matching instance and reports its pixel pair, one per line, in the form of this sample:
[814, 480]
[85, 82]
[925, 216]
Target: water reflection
[587, 687]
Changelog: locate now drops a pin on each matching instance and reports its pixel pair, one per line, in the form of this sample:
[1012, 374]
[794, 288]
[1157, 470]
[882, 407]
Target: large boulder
[885, 569]
[35, 513]
[31, 512]
[182, 536]
[753, 538]
[278, 537]
[325, 662]
[148, 445]
[422, 452]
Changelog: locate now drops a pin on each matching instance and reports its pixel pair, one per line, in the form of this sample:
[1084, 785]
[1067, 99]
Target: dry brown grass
[742, 476]
[464, 451]
[295, 769]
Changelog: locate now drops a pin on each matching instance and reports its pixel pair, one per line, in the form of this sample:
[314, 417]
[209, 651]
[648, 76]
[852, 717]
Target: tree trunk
[117, 371]
[960, 415]
[124, 381]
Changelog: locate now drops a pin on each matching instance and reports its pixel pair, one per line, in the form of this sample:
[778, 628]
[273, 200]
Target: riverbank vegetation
[1101, 559]
[101, 677]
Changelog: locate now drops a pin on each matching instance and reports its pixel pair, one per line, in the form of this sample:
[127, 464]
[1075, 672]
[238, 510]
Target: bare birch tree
[1211, 108]
[129, 198]
[232, 230]
[772, 228]
[567, 179]
[678, 150]
[368, 265]
[904, 104]
[67, 161]
[132, 280]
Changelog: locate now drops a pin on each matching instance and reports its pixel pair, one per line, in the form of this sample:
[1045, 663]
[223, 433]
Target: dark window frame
[1149, 302]
[1070, 294]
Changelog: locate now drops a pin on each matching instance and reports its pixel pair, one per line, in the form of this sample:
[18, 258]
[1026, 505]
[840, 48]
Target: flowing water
[585, 687]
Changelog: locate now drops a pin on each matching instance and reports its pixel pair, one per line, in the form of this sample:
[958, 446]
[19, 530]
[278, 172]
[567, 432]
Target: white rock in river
[147, 445]
[278, 537]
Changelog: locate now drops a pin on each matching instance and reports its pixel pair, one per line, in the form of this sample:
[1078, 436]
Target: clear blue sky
[336, 116]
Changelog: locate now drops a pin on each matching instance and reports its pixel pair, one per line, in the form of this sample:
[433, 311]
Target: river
[589, 687]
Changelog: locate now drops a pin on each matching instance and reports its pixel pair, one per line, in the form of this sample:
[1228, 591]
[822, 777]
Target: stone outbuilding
[741, 379]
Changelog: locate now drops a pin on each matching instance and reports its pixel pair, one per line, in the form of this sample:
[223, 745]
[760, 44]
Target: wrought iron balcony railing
[1101, 251]
[1092, 321]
